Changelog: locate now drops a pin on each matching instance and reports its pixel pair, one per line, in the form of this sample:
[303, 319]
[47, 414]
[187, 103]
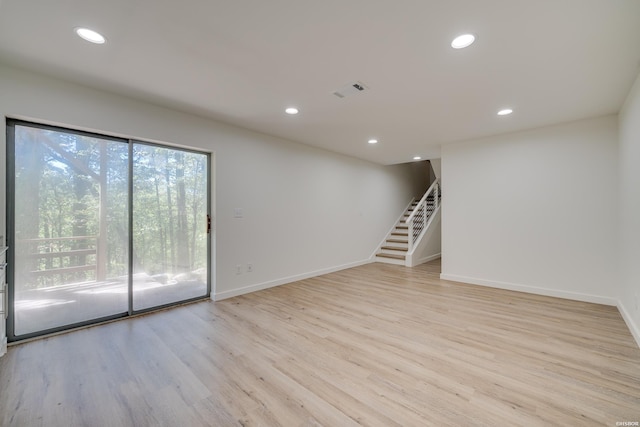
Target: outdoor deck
[47, 308]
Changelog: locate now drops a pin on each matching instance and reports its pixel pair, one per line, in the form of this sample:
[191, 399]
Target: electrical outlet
[238, 269]
[249, 268]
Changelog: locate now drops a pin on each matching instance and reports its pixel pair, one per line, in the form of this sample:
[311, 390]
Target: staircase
[395, 247]
[410, 228]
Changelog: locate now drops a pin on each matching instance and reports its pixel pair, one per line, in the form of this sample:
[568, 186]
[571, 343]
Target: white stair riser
[385, 251]
[390, 261]
[398, 250]
[397, 245]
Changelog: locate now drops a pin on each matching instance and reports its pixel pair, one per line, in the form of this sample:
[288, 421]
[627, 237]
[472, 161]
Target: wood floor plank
[376, 345]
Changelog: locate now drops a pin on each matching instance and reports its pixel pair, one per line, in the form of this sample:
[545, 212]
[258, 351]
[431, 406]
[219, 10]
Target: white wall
[306, 211]
[436, 165]
[421, 176]
[629, 210]
[534, 211]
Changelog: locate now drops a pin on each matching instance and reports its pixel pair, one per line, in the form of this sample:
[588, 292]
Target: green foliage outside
[72, 213]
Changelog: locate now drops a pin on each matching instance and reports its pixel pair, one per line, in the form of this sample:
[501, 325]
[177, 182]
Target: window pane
[170, 241]
[71, 228]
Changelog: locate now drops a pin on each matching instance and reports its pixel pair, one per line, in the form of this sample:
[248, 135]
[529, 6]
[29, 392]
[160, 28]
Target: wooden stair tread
[397, 241]
[402, 257]
[400, 234]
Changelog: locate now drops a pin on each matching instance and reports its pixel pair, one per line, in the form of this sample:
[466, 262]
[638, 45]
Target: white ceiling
[244, 61]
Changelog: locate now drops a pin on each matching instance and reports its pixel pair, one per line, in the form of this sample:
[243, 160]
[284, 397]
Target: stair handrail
[424, 199]
[422, 207]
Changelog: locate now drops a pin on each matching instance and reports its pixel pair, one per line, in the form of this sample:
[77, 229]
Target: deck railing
[60, 256]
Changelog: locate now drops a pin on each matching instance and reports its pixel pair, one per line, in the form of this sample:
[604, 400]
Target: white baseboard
[635, 330]
[3, 347]
[597, 299]
[219, 296]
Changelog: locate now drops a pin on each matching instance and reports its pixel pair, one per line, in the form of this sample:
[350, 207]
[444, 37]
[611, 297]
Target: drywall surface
[534, 211]
[629, 211]
[421, 177]
[436, 164]
[306, 211]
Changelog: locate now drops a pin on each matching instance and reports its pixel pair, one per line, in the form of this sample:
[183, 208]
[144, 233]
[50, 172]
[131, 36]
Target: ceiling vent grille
[350, 89]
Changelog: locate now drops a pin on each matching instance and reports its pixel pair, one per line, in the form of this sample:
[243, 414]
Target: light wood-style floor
[377, 345]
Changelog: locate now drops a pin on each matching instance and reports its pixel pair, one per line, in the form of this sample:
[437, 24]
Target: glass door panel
[70, 227]
[170, 235]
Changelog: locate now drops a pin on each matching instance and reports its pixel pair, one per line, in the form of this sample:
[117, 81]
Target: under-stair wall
[430, 246]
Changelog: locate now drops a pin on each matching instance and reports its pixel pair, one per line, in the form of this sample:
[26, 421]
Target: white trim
[273, 283]
[633, 328]
[597, 299]
[3, 347]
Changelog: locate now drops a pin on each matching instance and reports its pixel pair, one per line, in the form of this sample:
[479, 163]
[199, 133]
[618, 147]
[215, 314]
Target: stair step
[400, 234]
[383, 255]
[397, 241]
[402, 227]
[394, 248]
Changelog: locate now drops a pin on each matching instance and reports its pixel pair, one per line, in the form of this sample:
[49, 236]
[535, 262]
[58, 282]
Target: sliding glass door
[101, 227]
[170, 227]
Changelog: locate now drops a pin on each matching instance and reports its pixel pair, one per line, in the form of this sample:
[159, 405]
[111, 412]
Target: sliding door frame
[11, 222]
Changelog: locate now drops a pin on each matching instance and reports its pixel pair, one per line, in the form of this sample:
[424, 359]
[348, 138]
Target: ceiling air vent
[350, 89]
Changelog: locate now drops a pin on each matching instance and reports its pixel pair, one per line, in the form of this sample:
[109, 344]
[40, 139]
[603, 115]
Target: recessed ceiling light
[417, 158]
[463, 41]
[90, 35]
[373, 141]
[291, 110]
[505, 112]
